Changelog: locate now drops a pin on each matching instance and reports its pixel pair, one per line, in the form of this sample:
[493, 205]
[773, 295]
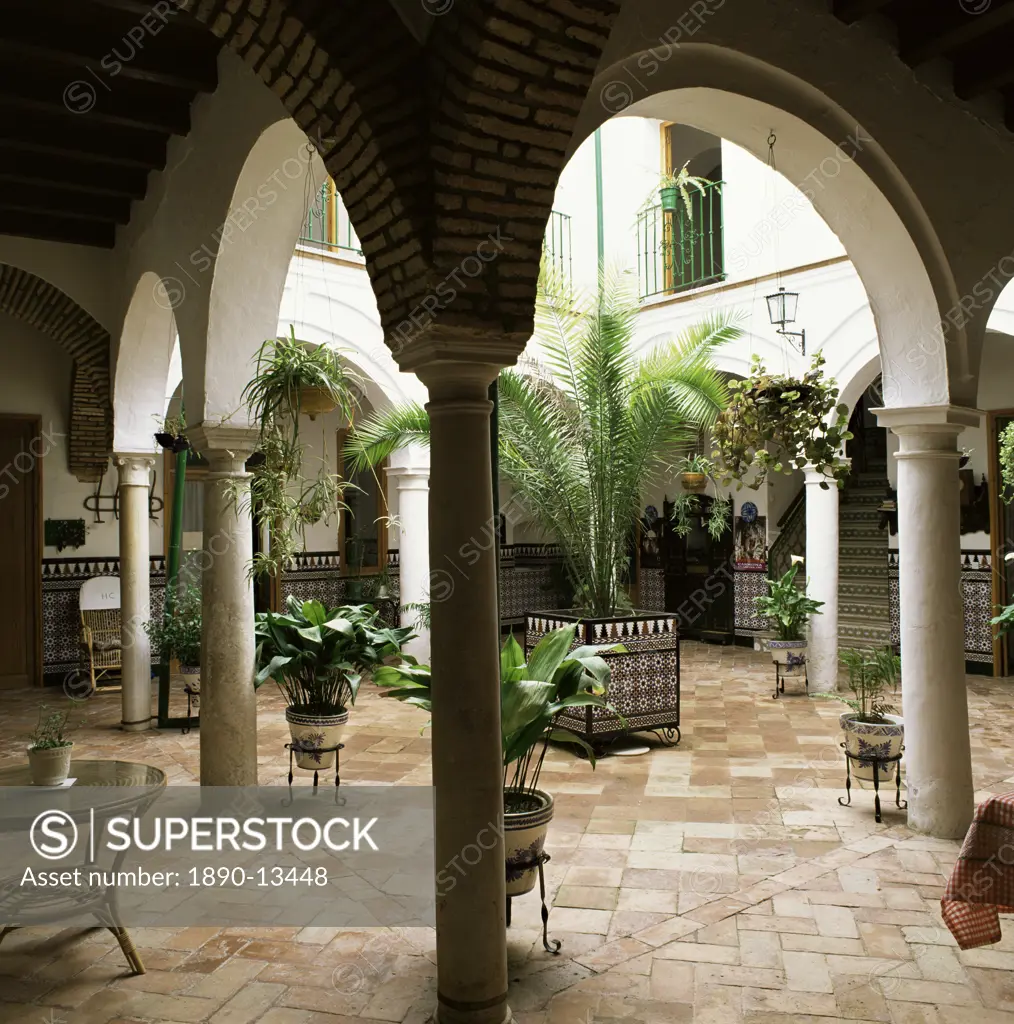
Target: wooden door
[20, 551]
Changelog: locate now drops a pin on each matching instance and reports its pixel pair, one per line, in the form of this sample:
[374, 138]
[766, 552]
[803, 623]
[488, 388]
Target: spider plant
[687, 503]
[585, 432]
[682, 181]
[283, 497]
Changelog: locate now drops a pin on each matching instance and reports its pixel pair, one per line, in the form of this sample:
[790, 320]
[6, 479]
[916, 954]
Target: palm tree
[585, 432]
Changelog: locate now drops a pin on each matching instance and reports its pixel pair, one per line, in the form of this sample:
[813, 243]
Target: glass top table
[109, 777]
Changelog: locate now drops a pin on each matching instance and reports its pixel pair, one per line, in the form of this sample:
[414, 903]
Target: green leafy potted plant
[532, 697]
[317, 656]
[781, 423]
[695, 472]
[292, 379]
[49, 750]
[674, 189]
[179, 637]
[787, 609]
[871, 731]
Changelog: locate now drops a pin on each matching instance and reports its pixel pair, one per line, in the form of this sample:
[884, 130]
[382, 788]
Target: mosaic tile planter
[644, 683]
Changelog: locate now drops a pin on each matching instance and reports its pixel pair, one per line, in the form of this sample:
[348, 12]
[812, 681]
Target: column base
[143, 726]
[498, 1014]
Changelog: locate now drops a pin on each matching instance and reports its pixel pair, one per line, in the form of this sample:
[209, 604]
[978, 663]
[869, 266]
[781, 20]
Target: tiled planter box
[644, 685]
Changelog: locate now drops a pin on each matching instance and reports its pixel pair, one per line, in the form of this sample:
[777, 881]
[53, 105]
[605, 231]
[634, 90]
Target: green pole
[494, 460]
[172, 572]
[599, 207]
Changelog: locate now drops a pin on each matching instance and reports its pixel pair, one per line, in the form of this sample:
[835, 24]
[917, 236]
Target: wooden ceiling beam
[924, 36]
[54, 228]
[851, 11]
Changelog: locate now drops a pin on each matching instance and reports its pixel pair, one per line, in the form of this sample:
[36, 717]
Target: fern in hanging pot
[778, 423]
[286, 496]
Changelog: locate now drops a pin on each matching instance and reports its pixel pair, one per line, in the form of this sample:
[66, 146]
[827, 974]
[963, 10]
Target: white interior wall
[41, 387]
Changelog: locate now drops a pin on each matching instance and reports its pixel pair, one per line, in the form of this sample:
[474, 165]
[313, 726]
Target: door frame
[35, 420]
[996, 532]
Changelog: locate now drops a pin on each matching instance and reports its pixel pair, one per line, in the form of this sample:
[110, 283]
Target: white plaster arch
[250, 271]
[1001, 316]
[893, 272]
[145, 350]
[330, 303]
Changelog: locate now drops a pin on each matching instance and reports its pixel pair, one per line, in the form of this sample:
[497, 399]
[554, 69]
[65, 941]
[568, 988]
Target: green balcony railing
[556, 244]
[328, 225]
[677, 251]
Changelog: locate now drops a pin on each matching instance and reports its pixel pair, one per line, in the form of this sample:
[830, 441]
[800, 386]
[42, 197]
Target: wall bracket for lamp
[98, 502]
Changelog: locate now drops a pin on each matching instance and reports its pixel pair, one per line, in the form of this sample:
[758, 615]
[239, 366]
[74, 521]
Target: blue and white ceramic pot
[524, 840]
[873, 739]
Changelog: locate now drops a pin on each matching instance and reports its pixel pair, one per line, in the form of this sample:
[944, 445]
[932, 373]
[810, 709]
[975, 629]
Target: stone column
[822, 580]
[938, 761]
[413, 483]
[135, 607]
[228, 701]
[467, 761]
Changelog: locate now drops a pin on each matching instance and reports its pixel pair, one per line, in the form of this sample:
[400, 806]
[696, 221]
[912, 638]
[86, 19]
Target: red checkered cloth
[981, 885]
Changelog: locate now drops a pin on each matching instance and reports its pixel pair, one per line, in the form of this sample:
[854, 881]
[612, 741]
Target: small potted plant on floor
[49, 750]
[871, 731]
[787, 609]
[317, 657]
[532, 696]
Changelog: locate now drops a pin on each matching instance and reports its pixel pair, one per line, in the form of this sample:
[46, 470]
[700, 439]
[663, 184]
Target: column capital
[134, 468]
[461, 361]
[224, 445]
[410, 478]
[928, 419]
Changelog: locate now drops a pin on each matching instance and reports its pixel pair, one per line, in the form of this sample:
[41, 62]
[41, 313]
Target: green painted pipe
[172, 572]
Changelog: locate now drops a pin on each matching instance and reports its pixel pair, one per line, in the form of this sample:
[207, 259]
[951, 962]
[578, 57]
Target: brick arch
[48, 309]
[439, 139]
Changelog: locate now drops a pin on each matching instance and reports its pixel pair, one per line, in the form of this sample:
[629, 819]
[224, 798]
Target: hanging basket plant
[172, 437]
[286, 494]
[781, 424]
[695, 473]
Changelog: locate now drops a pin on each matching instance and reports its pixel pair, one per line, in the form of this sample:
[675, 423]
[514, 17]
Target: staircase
[864, 613]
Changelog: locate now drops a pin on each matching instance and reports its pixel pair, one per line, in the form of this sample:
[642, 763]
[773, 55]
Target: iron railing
[556, 244]
[678, 251]
[328, 225]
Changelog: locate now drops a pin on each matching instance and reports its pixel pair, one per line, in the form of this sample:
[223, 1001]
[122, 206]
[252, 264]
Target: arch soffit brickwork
[425, 142]
[51, 311]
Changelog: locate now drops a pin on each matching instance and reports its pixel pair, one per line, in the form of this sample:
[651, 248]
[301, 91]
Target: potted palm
[787, 609]
[871, 731]
[317, 656]
[49, 750]
[583, 435]
[533, 696]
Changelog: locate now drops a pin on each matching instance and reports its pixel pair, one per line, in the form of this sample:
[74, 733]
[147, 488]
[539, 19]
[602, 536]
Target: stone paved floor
[717, 882]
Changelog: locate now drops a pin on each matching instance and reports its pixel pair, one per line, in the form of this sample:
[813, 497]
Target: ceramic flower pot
[315, 401]
[669, 197]
[50, 766]
[313, 734]
[524, 840]
[694, 482]
[874, 739]
[790, 653]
